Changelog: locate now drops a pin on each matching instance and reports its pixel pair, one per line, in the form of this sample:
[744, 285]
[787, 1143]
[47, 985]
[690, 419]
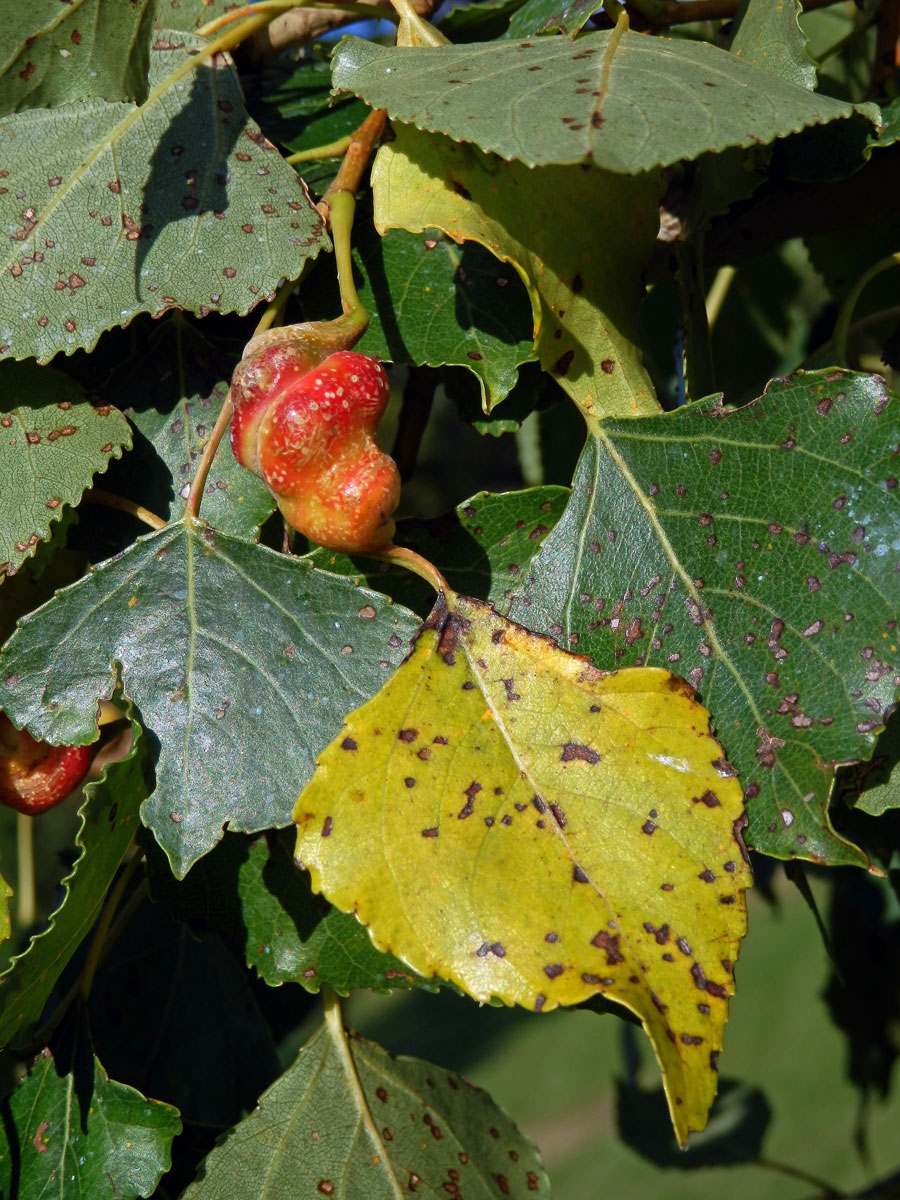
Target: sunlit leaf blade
[628, 103]
[348, 1120]
[83, 1137]
[506, 816]
[109, 821]
[241, 661]
[755, 552]
[52, 443]
[54, 53]
[112, 210]
[584, 291]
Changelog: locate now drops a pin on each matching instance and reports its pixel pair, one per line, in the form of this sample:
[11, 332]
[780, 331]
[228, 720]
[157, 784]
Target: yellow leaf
[506, 816]
[585, 291]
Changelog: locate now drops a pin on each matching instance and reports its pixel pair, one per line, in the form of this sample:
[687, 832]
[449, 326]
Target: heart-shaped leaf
[349, 1120]
[241, 698]
[506, 816]
[754, 551]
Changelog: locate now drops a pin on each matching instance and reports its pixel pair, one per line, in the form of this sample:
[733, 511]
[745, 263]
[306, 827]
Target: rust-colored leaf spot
[572, 752]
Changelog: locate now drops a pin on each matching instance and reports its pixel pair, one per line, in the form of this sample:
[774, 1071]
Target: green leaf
[109, 822]
[769, 36]
[82, 1138]
[48, 454]
[240, 697]
[755, 552]
[874, 787]
[606, 97]
[179, 203]
[434, 302]
[348, 1119]
[175, 379]
[95, 49]
[253, 894]
[585, 292]
[506, 816]
[550, 16]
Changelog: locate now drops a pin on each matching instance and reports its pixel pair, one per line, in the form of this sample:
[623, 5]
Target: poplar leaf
[508, 817]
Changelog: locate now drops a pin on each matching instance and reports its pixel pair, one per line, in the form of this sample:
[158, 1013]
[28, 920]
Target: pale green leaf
[48, 454]
[624, 101]
[53, 53]
[769, 36]
[113, 209]
[585, 292]
[350, 1121]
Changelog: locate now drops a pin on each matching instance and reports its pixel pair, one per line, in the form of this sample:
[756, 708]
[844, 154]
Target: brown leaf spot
[327, 826]
[349, 744]
[573, 752]
[578, 875]
[408, 735]
[610, 944]
[553, 970]
[430, 833]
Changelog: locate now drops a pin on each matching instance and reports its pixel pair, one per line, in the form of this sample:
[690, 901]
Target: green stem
[342, 209]
[103, 925]
[25, 870]
[411, 561]
[842, 325]
[716, 296]
[331, 150]
[109, 500]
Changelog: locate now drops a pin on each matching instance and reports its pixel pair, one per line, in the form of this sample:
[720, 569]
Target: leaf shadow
[188, 176]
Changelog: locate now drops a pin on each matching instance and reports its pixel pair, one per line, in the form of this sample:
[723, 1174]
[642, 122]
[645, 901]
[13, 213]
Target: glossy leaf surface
[754, 551]
[241, 698]
[83, 1137]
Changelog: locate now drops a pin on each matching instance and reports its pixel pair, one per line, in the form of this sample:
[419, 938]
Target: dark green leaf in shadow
[82, 1136]
[735, 1133]
[198, 1002]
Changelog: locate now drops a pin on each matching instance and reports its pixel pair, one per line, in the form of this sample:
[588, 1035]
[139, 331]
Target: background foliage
[637, 283]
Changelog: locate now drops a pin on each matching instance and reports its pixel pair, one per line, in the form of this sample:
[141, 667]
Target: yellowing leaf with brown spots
[506, 816]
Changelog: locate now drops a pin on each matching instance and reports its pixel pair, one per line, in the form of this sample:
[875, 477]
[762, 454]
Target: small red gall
[304, 421]
[35, 776]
